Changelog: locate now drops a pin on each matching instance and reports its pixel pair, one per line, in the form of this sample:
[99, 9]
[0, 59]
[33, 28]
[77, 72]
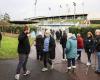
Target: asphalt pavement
[82, 72]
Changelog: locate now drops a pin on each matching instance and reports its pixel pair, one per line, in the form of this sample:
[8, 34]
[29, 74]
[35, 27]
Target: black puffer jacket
[89, 44]
[23, 45]
[39, 42]
[63, 40]
[97, 43]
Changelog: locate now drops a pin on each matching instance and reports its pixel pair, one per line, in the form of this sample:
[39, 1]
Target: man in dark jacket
[97, 48]
[23, 50]
[39, 46]
[0, 38]
[48, 50]
[60, 33]
[57, 35]
[63, 41]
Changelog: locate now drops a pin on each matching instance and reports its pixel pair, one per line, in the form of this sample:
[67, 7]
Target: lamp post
[83, 10]
[74, 4]
[60, 13]
[67, 9]
[35, 8]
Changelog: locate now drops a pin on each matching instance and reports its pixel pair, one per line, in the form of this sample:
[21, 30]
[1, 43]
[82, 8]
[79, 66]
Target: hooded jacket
[71, 47]
[23, 45]
[89, 44]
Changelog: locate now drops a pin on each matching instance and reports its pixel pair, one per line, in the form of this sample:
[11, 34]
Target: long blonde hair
[90, 33]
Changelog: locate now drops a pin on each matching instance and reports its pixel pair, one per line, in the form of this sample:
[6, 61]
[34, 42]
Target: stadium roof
[23, 22]
[44, 17]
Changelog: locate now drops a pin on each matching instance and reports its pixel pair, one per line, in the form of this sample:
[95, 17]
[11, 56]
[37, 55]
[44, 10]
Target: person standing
[80, 45]
[48, 50]
[0, 39]
[89, 43]
[39, 46]
[60, 31]
[63, 41]
[57, 35]
[23, 50]
[71, 51]
[97, 48]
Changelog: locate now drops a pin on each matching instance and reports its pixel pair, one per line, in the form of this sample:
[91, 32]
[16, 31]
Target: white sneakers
[88, 64]
[52, 67]
[44, 69]
[27, 73]
[74, 67]
[64, 59]
[69, 68]
[17, 76]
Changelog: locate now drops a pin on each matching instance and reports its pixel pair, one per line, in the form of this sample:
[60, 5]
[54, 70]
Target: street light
[35, 8]
[49, 14]
[67, 9]
[60, 13]
[83, 10]
[74, 4]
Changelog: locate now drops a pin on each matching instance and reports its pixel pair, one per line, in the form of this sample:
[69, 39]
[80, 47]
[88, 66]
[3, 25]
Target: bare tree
[6, 17]
[4, 21]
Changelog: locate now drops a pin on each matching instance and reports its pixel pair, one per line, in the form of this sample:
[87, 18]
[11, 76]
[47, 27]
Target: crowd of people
[72, 47]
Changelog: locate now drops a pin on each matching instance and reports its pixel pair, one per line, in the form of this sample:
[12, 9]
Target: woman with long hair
[89, 42]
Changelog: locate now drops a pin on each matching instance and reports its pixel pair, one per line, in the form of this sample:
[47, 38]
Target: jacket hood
[74, 38]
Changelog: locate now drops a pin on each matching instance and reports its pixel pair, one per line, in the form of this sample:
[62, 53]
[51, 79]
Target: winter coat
[52, 46]
[58, 35]
[89, 44]
[97, 43]
[71, 48]
[63, 41]
[80, 43]
[23, 45]
[39, 42]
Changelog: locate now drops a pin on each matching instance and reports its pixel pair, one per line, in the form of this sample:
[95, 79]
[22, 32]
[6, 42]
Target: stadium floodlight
[35, 4]
[74, 4]
[83, 10]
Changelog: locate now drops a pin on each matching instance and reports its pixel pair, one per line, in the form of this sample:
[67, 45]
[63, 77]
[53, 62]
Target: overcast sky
[20, 9]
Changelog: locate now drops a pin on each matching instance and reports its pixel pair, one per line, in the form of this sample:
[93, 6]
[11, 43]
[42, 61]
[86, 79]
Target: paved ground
[8, 67]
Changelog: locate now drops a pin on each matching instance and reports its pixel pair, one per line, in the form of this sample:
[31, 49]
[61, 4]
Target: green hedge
[16, 30]
[83, 30]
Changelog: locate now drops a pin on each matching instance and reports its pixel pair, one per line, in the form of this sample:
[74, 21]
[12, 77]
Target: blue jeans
[46, 59]
[22, 63]
[98, 57]
[71, 62]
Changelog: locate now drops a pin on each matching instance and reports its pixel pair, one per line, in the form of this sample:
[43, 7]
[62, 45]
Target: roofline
[58, 16]
[23, 22]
